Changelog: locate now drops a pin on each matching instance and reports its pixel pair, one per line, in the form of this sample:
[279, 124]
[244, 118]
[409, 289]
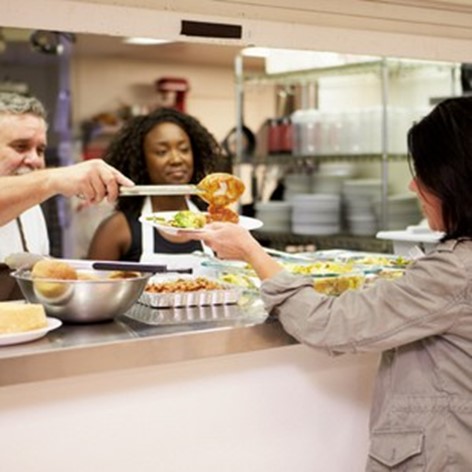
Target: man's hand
[91, 180]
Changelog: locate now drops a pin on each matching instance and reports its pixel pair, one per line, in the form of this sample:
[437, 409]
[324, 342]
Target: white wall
[104, 84]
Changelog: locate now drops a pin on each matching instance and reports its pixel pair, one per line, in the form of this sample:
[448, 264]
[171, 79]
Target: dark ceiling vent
[211, 30]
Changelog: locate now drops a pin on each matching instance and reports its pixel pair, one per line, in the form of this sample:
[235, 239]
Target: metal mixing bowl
[83, 301]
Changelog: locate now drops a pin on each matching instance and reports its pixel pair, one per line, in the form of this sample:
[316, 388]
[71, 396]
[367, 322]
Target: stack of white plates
[296, 184]
[402, 211]
[358, 197]
[316, 214]
[327, 183]
[276, 216]
[344, 169]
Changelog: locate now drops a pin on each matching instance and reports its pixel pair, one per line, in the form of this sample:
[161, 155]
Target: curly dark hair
[126, 151]
[440, 150]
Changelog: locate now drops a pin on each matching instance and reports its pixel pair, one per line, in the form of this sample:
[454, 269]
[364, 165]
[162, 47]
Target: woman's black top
[161, 244]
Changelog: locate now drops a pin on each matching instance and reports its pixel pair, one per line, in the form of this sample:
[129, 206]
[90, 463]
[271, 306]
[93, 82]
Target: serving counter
[143, 337]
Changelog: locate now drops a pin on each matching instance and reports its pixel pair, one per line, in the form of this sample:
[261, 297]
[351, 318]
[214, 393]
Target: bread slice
[19, 317]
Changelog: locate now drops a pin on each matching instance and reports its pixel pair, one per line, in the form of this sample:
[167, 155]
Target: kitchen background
[98, 81]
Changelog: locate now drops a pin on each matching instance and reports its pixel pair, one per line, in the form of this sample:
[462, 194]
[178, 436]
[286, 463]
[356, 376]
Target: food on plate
[183, 285]
[221, 189]
[336, 285]
[19, 317]
[225, 214]
[188, 219]
[185, 219]
[52, 269]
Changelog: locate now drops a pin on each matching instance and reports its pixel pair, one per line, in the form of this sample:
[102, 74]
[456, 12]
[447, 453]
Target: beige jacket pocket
[397, 451]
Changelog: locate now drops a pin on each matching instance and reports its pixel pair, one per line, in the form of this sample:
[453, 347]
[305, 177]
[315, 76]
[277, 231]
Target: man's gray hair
[15, 104]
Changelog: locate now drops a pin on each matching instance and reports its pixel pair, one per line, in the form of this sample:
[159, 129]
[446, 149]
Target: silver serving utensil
[143, 190]
[288, 255]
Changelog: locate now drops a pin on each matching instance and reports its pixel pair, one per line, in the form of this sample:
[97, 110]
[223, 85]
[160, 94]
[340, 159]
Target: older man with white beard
[23, 130]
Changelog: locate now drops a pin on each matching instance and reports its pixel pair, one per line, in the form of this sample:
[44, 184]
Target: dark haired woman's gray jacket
[421, 417]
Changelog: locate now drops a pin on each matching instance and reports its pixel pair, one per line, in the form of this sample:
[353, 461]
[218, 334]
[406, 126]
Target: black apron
[9, 289]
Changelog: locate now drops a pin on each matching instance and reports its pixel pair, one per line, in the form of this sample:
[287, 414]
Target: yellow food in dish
[319, 267]
[336, 285]
[398, 262]
[19, 317]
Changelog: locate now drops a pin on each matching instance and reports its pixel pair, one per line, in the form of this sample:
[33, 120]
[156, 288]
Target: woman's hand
[228, 240]
[231, 241]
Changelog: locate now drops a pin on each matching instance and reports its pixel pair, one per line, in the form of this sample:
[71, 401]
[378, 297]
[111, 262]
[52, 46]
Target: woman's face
[430, 204]
[168, 154]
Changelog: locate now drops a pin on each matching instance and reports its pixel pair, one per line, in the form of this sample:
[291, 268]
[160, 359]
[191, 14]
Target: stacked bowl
[296, 183]
[358, 199]
[316, 214]
[402, 211]
[275, 215]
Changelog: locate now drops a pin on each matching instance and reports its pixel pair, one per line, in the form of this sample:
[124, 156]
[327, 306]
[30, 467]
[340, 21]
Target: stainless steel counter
[143, 337]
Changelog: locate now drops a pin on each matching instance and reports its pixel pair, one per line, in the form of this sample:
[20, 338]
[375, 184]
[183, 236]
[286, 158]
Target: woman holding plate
[421, 416]
[165, 147]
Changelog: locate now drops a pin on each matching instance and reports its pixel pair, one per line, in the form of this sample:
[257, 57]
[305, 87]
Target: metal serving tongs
[141, 190]
[219, 189]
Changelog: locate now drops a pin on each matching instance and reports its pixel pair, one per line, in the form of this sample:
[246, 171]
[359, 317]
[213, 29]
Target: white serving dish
[405, 241]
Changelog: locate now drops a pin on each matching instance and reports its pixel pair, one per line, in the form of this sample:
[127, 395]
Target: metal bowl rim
[20, 274]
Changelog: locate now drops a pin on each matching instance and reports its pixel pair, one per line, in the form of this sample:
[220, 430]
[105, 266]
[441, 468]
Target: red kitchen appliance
[172, 92]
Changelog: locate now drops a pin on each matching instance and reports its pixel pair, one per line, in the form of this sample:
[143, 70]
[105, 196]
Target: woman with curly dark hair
[163, 147]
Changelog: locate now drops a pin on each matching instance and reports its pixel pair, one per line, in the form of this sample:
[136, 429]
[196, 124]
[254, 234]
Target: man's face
[22, 143]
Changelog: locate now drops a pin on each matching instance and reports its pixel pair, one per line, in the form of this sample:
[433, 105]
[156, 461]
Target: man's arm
[92, 180]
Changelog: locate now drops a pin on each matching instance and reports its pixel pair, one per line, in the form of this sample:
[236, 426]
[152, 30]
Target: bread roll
[123, 274]
[52, 269]
[18, 317]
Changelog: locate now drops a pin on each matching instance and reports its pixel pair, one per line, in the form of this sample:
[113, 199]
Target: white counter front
[282, 409]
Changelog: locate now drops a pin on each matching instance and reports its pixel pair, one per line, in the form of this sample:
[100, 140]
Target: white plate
[244, 221]
[26, 336]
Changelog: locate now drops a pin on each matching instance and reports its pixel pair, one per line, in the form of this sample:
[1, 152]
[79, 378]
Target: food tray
[190, 315]
[228, 294]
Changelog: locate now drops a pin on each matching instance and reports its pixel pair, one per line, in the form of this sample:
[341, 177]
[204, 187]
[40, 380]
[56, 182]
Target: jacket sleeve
[427, 300]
